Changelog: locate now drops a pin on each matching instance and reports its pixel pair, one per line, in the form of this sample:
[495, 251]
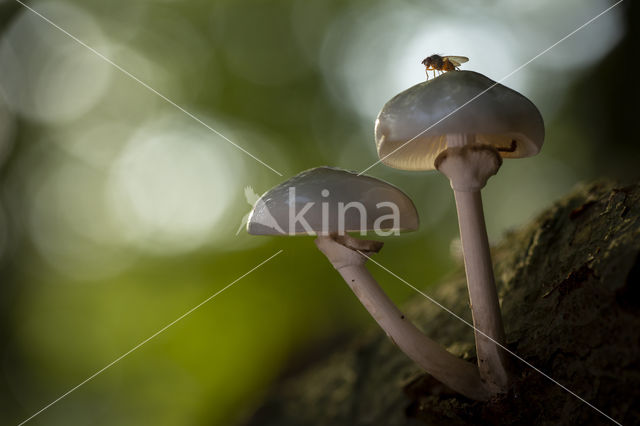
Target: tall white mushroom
[449, 124]
[329, 203]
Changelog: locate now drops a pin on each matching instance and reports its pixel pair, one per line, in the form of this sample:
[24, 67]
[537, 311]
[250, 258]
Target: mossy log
[569, 286]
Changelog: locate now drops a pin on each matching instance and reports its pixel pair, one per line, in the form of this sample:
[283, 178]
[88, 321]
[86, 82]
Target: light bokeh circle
[171, 186]
[47, 76]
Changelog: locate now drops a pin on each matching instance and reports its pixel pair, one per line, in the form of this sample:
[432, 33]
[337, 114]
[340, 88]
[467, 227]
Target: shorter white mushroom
[329, 203]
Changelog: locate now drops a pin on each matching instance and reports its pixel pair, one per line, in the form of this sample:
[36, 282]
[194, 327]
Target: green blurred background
[118, 212]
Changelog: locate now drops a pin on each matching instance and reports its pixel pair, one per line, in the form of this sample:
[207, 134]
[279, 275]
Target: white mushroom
[330, 202]
[449, 124]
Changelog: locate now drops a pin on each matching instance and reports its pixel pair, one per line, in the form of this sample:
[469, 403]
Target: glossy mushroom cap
[500, 117]
[319, 196]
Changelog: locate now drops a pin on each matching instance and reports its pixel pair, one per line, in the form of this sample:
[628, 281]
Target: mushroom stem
[468, 166]
[459, 375]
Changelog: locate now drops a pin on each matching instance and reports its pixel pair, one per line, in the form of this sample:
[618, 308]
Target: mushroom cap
[425, 113]
[273, 212]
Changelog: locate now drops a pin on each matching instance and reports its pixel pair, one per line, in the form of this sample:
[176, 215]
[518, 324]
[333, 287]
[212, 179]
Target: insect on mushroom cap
[411, 128]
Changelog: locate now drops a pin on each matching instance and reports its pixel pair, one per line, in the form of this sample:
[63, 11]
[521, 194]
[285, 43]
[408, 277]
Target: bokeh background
[118, 212]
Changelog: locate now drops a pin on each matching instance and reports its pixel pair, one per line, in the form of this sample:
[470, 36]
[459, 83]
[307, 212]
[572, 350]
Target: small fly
[442, 63]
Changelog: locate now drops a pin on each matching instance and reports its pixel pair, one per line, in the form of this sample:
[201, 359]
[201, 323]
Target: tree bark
[569, 286]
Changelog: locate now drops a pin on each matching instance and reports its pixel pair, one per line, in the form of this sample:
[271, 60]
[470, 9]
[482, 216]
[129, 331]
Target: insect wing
[456, 60]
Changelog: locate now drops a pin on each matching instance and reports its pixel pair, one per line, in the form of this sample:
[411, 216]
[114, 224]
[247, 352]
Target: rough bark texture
[569, 285]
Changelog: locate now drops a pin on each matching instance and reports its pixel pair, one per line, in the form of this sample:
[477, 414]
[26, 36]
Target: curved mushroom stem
[347, 256]
[468, 166]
